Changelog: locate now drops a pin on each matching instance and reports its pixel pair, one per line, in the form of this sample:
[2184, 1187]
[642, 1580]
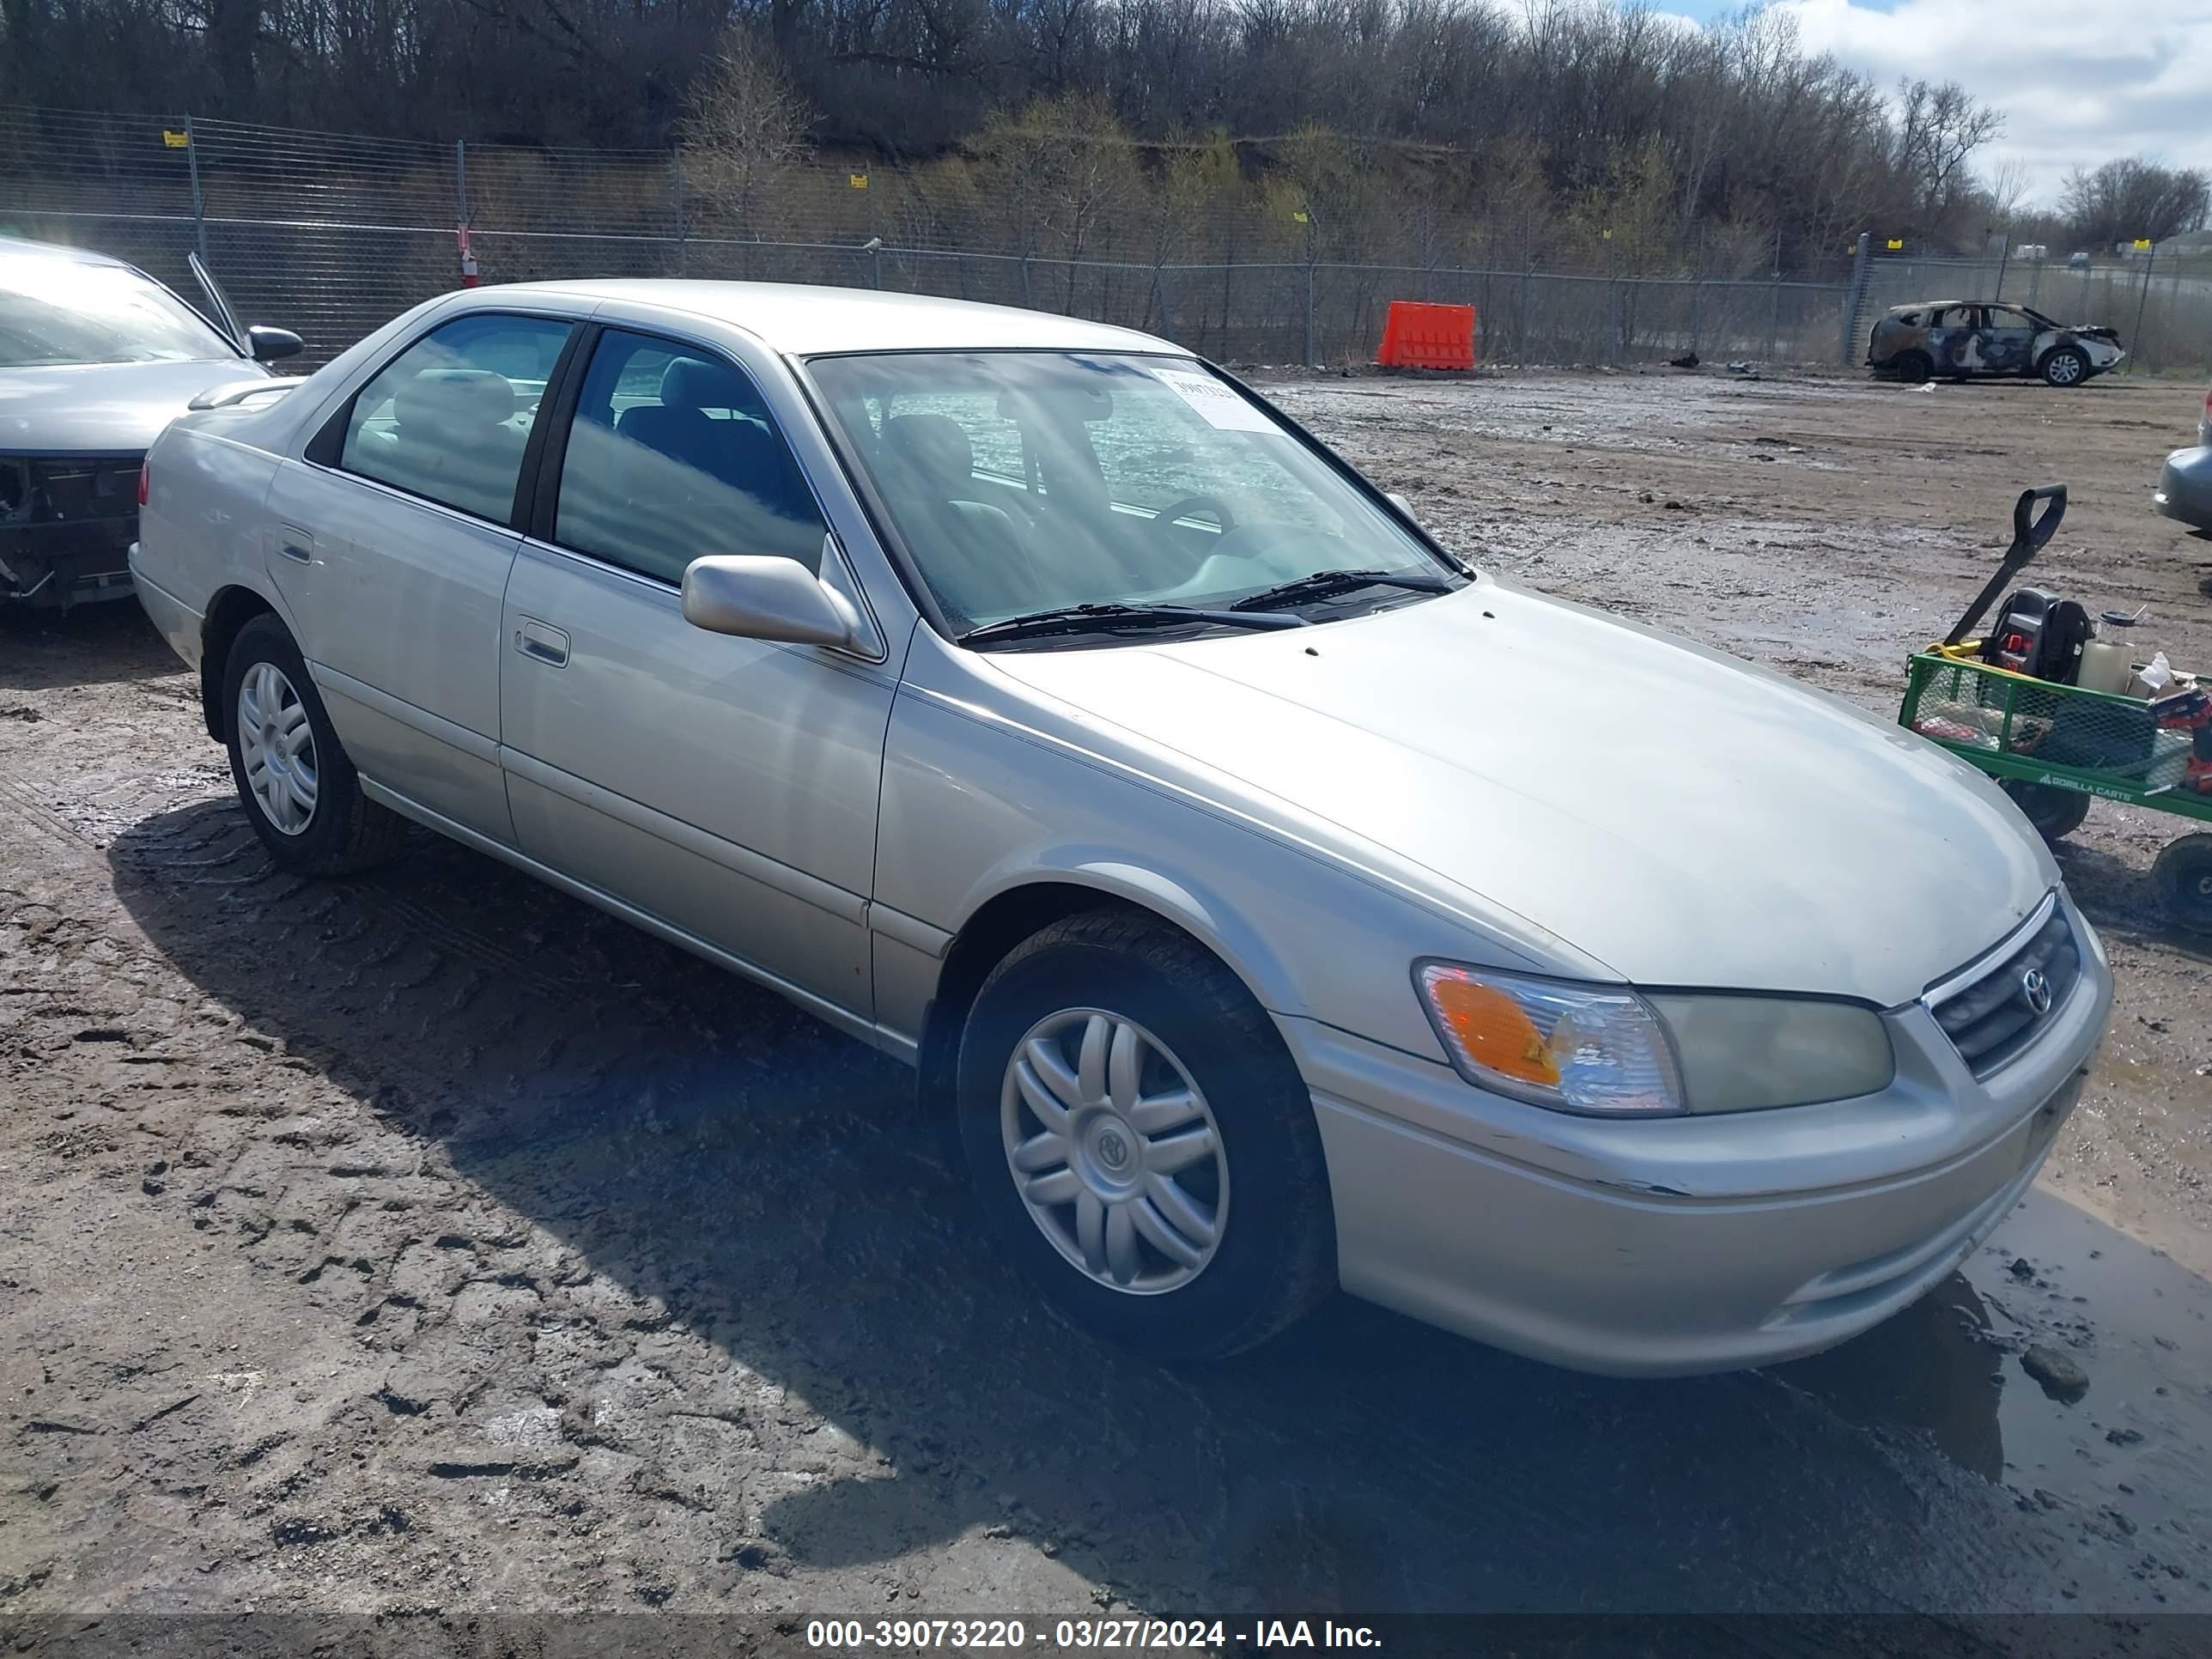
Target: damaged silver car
[1951, 339]
[95, 358]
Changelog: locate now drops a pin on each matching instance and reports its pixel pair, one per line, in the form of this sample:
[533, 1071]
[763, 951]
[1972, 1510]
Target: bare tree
[748, 129]
[1939, 129]
[2135, 199]
[1407, 130]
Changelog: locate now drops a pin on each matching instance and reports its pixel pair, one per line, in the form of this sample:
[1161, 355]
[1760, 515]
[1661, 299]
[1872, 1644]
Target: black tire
[2182, 878]
[1915, 368]
[1276, 1255]
[2056, 814]
[2065, 366]
[344, 832]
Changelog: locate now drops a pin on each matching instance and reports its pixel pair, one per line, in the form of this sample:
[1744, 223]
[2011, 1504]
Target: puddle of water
[2135, 1453]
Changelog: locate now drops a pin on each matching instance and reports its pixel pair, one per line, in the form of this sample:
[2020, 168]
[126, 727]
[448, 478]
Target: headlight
[1609, 1051]
[1739, 1053]
[1572, 1048]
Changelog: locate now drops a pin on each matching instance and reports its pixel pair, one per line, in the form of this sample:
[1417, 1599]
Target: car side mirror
[270, 343]
[769, 599]
[1403, 504]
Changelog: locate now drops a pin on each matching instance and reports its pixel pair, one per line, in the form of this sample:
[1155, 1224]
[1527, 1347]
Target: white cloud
[2078, 84]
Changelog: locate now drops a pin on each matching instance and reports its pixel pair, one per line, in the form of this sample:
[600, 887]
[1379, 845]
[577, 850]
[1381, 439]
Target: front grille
[1991, 1019]
[67, 491]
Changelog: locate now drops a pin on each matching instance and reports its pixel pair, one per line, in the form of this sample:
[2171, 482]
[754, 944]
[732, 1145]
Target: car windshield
[55, 311]
[1023, 482]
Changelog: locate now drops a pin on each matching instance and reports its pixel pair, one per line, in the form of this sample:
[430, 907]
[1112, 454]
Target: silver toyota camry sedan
[1278, 901]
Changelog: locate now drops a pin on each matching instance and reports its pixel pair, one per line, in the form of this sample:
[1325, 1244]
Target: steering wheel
[1165, 518]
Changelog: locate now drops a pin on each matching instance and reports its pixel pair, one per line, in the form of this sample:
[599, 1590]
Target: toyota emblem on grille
[2035, 992]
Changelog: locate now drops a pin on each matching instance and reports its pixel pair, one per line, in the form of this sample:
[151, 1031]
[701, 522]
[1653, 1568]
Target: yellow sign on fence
[176, 140]
[857, 180]
[2142, 244]
[1298, 215]
[1895, 245]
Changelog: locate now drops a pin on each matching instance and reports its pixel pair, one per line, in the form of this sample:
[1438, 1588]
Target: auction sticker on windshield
[1218, 404]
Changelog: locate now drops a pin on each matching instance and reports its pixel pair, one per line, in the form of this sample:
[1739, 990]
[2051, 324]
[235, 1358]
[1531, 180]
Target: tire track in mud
[25, 808]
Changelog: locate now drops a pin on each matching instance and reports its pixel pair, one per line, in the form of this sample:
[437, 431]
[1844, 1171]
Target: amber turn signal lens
[1494, 1032]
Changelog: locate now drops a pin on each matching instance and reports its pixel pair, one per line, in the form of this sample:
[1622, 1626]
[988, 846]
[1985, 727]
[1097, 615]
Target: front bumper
[1690, 1245]
[2184, 488]
[66, 527]
[65, 564]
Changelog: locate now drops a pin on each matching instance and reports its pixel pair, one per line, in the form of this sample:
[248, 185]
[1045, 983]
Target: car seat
[740, 451]
[974, 556]
[454, 440]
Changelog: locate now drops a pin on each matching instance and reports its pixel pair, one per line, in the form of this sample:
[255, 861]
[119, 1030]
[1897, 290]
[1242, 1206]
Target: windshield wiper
[1323, 583]
[1087, 618]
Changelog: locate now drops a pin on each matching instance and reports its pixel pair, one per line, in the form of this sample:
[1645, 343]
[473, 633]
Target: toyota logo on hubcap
[2035, 991]
[1114, 1151]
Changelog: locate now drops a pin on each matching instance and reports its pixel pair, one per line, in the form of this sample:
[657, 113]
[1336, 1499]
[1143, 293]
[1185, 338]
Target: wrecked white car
[1951, 339]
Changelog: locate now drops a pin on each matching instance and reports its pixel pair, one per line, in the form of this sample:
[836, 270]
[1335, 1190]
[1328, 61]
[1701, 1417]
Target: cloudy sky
[2077, 82]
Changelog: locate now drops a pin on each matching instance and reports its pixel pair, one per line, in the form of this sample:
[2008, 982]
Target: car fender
[974, 807]
[1178, 897]
[2101, 354]
[202, 528]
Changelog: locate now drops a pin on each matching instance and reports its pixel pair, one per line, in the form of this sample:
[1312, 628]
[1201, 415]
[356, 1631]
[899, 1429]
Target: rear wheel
[2182, 878]
[1140, 1141]
[2054, 813]
[2065, 366]
[1915, 368]
[300, 792]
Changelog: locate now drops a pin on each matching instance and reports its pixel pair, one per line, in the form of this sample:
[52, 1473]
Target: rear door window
[449, 418]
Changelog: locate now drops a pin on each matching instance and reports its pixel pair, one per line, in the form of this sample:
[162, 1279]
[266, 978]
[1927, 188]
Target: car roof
[803, 321]
[1937, 305]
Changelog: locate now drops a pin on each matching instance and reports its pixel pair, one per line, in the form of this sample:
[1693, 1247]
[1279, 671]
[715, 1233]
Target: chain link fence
[332, 235]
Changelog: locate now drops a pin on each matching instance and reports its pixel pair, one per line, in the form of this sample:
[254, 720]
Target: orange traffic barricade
[1419, 336]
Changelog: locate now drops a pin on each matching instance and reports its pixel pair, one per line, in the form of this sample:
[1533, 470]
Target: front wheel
[2183, 879]
[299, 791]
[1141, 1142]
[2065, 366]
[2056, 814]
[1915, 368]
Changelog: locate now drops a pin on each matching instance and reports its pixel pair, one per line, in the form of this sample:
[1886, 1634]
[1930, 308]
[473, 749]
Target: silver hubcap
[277, 741]
[1115, 1151]
[2065, 370]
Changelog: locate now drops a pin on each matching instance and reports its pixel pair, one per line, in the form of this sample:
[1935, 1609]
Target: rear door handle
[542, 641]
[295, 543]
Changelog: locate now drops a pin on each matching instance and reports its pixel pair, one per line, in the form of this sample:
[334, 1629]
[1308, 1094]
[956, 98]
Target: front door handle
[542, 641]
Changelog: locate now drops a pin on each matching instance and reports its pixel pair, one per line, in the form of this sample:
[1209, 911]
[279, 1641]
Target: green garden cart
[2055, 747]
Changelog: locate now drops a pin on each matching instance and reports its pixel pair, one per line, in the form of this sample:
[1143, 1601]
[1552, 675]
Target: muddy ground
[431, 1241]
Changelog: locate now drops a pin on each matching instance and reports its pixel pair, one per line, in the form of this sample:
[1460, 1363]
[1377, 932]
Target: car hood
[1678, 815]
[103, 409]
